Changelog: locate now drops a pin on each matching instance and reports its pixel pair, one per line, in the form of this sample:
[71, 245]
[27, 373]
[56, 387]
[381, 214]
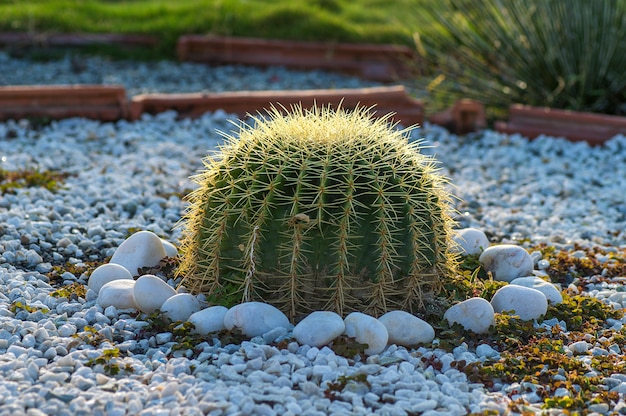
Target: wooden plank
[377, 62]
[104, 102]
[385, 99]
[573, 125]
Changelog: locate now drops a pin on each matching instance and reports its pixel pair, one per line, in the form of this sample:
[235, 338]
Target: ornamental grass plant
[566, 54]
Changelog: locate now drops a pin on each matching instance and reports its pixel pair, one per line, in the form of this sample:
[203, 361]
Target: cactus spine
[318, 209]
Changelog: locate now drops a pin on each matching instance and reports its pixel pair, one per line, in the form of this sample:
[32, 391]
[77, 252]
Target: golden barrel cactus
[318, 209]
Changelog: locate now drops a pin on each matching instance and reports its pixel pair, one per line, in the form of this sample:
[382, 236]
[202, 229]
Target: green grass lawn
[366, 21]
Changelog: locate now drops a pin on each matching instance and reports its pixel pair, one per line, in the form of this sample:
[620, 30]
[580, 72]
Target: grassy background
[495, 51]
[368, 21]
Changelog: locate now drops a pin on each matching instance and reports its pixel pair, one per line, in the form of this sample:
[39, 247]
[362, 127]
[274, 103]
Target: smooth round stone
[107, 273]
[406, 329]
[550, 291]
[118, 293]
[208, 320]
[142, 249]
[319, 328]
[180, 307]
[474, 314]
[151, 292]
[543, 264]
[470, 241]
[506, 262]
[368, 330]
[525, 302]
[255, 318]
[170, 249]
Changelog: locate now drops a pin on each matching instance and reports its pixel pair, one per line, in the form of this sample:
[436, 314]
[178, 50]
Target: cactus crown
[318, 209]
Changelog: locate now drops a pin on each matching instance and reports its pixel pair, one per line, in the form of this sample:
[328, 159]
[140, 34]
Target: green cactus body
[318, 210]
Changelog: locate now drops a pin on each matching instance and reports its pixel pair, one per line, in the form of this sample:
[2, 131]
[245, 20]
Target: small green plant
[71, 291]
[335, 388]
[182, 332]
[91, 336]
[348, 347]
[77, 269]
[17, 305]
[12, 180]
[538, 355]
[319, 210]
[184, 336]
[543, 362]
[581, 313]
[110, 362]
[561, 53]
[565, 266]
[165, 268]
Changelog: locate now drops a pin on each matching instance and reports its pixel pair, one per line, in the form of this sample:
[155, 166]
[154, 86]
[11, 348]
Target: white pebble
[548, 289]
[406, 329]
[506, 262]
[151, 292]
[180, 307]
[142, 249]
[255, 318]
[543, 264]
[319, 328]
[366, 329]
[579, 347]
[485, 350]
[474, 314]
[118, 293]
[170, 249]
[525, 302]
[107, 273]
[208, 320]
[469, 241]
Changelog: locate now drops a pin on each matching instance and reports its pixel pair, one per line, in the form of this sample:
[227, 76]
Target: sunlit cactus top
[318, 210]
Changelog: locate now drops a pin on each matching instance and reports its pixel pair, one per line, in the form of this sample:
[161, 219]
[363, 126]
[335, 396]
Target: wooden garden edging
[383, 63]
[465, 116]
[385, 99]
[101, 102]
[109, 103]
[573, 125]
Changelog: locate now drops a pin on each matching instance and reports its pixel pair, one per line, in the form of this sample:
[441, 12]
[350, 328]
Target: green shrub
[319, 209]
[565, 54]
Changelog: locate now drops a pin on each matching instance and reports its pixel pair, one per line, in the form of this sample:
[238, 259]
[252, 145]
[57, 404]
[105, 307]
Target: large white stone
[180, 307]
[470, 241]
[506, 262]
[474, 314]
[366, 329]
[319, 328]
[170, 249]
[142, 249]
[525, 302]
[208, 320]
[551, 292]
[407, 329]
[151, 292]
[107, 273]
[118, 293]
[255, 318]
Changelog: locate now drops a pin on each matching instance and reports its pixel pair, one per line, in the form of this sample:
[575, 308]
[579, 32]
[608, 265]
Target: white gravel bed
[156, 77]
[127, 176]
